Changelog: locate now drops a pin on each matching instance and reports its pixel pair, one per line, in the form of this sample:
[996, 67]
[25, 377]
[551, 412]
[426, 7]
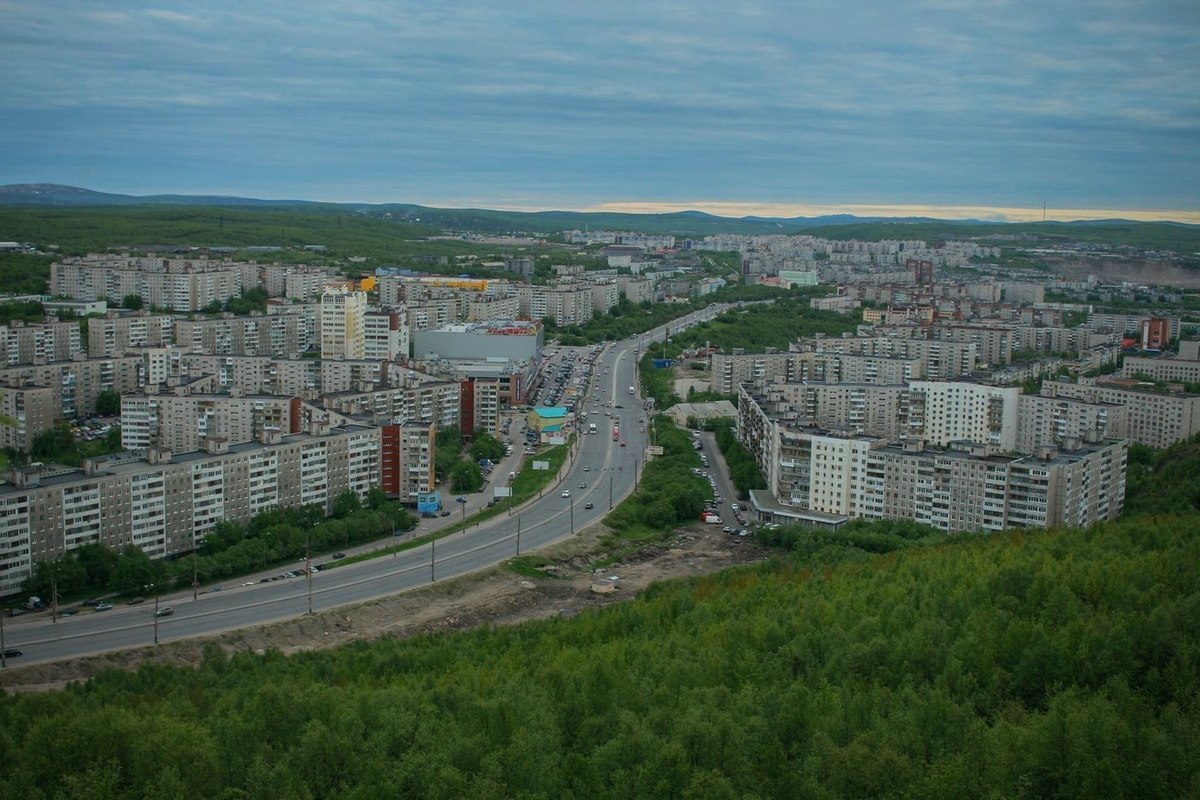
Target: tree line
[1027, 665]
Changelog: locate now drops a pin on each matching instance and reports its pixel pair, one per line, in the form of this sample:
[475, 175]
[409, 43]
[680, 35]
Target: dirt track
[496, 597]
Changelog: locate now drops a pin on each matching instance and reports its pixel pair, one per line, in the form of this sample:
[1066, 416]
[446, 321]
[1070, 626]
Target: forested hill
[1059, 664]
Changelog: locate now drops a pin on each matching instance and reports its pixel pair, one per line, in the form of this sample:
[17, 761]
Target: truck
[616, 432]
[710, 518]
[592, 428]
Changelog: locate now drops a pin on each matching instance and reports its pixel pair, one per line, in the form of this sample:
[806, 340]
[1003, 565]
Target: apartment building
[605, 296]
[407, 457]
[1131, 325]
[727, 371]
[76, 384]
[566, 305]
[479, 406]
[166, 503]
[343, 324]
[182, 422]
[966, 487]
[38, 342]
[280, 335]
[1153, 418]
[425, 402]
[116, 333]
[940, 359]
[636, 290]
[1047, 419]
[385, 335]
[1162, 368]
[177, 284]
[25, 412]
[486, 308]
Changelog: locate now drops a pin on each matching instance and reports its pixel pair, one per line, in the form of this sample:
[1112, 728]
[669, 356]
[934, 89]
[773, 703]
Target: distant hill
[683, 224]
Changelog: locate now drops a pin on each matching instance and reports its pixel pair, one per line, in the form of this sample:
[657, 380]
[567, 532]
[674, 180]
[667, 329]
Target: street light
[462, 501]
[308, 567]
[154, 586]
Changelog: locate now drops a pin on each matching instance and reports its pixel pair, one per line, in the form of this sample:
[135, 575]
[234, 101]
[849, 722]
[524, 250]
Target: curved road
[609, 477]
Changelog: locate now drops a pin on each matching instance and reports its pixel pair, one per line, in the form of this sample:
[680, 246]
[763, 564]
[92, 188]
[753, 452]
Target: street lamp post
[572, 515]
[610, 490]
[432, 558]
[518, 534]
[54, 594]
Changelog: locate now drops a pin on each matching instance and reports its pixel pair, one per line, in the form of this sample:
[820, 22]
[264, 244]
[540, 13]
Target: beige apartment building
[38, 342]
[166, 503]
[76, 384]
[1149, 417]
[183, 422]
[25, 411]
[116, 333]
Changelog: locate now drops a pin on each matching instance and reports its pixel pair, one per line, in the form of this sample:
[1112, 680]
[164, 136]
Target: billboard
[542, 465]
[502, 491]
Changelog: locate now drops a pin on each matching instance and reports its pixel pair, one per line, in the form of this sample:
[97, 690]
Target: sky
[950, 108]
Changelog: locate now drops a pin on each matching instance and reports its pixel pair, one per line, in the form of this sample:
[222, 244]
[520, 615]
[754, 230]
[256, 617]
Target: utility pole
[572, 515]
[432, 549]
[610, 492]
[518, 534]
[54, 594]
[308, 567]
[195, 576]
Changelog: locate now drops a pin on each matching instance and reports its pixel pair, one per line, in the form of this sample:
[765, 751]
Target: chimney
[270, 436]
[158, 455]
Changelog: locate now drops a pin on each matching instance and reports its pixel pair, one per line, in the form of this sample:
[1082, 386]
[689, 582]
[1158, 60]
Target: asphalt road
[608, 478]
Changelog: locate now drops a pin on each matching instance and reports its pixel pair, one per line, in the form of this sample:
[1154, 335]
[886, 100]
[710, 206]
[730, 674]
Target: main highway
[600, 471]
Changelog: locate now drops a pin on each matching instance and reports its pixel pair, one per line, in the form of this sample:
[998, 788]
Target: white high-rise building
[343, 324]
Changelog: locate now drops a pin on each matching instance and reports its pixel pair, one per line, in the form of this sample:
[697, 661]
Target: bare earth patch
[495, 597]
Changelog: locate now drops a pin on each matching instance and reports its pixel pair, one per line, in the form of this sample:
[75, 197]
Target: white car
[566, 493]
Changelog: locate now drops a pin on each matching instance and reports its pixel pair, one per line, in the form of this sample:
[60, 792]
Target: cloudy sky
[742, 107]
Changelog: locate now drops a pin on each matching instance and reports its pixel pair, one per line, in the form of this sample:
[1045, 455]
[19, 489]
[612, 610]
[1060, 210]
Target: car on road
[589, 505]
[103, 606]
[622, 443]
[165, 611]
[428, 515]
[91, 603]
[583, 486]
[137, 601]
[566, 493]
[443, 513]
[11, 653]
[587, 469]
[336, 556]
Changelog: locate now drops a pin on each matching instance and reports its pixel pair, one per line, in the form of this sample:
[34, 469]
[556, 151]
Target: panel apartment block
[78, 383]
[38, 342]
[182, 423]
[1155, 419]
[969, 487]
[165, 504]
[115, 333]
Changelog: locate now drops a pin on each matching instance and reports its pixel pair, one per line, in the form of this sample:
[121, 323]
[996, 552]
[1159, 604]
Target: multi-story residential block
[1131, 325]
[969, 486]
[25, 411]
[165, 504]
[637, 290]
[489, 308]
[605, 296]
[479, 403]
[178, 284]
[385, 335]
[76, 384]
[38, 342]
[408, 461]
[1045, 419]
[115, 333]
[566, 305]
[182, 422]
[278, 335]
[1149, 417]
[510, 340]
[1161, 368]
[422, 401]
[342, 324]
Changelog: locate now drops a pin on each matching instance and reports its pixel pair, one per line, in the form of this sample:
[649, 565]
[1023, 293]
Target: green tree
[466, 476]
[487, 446]
[133, 302]
[108, 403]
[345, 504]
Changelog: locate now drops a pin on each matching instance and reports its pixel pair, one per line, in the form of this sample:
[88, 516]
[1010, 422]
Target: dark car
[588, 505]
[137, 601]
[428, 515]
[443, 513]
[336, 556]
[91, 603]
[11, 653]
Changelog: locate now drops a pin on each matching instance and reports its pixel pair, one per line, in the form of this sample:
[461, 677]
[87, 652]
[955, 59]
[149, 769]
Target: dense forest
[1039, 664]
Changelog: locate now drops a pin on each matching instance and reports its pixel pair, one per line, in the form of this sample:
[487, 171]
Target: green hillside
[1059, 664]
